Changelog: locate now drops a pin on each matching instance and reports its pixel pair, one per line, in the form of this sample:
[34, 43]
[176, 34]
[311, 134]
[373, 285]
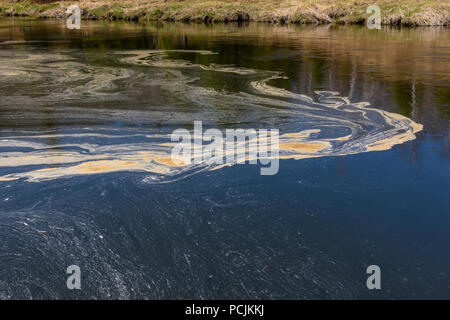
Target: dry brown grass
[404, 12]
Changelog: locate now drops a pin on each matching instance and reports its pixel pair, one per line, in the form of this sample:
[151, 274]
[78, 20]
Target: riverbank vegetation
[400, 12]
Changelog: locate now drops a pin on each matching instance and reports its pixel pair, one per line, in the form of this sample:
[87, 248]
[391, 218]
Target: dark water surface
[84, 116]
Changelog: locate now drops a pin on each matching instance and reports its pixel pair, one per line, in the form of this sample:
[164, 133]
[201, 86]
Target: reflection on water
[105, 99]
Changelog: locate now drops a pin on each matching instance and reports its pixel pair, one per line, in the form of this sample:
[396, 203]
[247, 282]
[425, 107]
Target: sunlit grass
[404, 12]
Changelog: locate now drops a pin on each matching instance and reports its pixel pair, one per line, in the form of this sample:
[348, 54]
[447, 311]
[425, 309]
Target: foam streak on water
[330, 125]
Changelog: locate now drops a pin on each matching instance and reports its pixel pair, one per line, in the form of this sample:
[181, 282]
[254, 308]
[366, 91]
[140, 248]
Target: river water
[86, 176]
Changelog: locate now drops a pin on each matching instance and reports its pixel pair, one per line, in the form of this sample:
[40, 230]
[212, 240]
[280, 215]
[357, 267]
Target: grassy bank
[400, 12]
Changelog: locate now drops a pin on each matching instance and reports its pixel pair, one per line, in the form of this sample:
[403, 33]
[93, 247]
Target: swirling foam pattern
[89, 99]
